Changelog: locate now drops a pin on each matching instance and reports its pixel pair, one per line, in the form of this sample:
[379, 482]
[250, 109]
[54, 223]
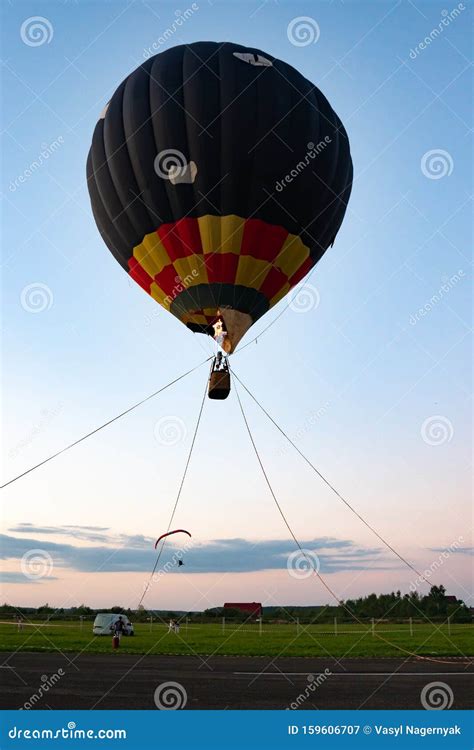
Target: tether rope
[310, 562]
[178, 495]
[277, 317]
[106, 424]
[280, 510]
[326, 481]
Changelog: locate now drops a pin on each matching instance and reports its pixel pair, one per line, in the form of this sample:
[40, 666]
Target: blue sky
[374, 391]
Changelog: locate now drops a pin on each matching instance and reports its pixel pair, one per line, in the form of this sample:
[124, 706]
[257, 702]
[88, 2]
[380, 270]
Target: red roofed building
[252, 608]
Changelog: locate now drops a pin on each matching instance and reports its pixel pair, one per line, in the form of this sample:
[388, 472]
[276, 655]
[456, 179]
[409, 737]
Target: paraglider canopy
[169, 533]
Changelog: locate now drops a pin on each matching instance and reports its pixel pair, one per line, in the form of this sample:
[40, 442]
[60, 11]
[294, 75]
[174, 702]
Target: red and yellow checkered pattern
[212, 250]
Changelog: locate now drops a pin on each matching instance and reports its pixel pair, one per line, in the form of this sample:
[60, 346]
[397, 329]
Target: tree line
[436, 605]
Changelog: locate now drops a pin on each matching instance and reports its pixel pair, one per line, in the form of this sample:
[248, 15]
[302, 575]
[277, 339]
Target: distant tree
[437, 592]
[231, 613]
[435, 603]
[83, 609]
[214, 612]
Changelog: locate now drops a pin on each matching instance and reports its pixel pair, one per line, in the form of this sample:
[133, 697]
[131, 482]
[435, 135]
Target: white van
[104, 623]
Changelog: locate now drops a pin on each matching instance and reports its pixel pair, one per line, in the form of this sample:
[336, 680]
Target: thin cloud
[86, 534]
[136, 554]
[454, 550]
[14, 577]
[83, 533]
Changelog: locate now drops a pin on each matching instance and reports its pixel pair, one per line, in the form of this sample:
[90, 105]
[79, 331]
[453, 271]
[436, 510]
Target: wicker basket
[219, 384]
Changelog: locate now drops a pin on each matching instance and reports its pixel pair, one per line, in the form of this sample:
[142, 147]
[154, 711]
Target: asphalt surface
[123, 681]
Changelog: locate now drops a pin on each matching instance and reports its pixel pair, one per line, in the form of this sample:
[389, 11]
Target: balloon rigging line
[338, 494]
[106, 424]
[307, 558]
[277, 317]
[311, 564]
[178, 495]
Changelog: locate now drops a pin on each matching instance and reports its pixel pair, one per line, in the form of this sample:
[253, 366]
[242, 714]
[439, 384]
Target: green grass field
[283, 640]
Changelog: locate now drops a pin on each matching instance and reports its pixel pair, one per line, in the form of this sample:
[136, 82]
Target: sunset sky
[372, 382]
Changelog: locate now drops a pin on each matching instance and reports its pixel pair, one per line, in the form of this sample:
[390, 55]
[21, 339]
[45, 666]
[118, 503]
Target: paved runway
[123, 681]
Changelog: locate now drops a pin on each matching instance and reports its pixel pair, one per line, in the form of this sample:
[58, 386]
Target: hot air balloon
[218, 176]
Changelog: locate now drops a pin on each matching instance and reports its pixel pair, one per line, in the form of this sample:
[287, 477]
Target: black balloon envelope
[218, 176]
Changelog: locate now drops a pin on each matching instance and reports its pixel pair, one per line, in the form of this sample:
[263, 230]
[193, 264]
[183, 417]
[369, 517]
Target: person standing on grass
[119, 627]
[19, 623]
